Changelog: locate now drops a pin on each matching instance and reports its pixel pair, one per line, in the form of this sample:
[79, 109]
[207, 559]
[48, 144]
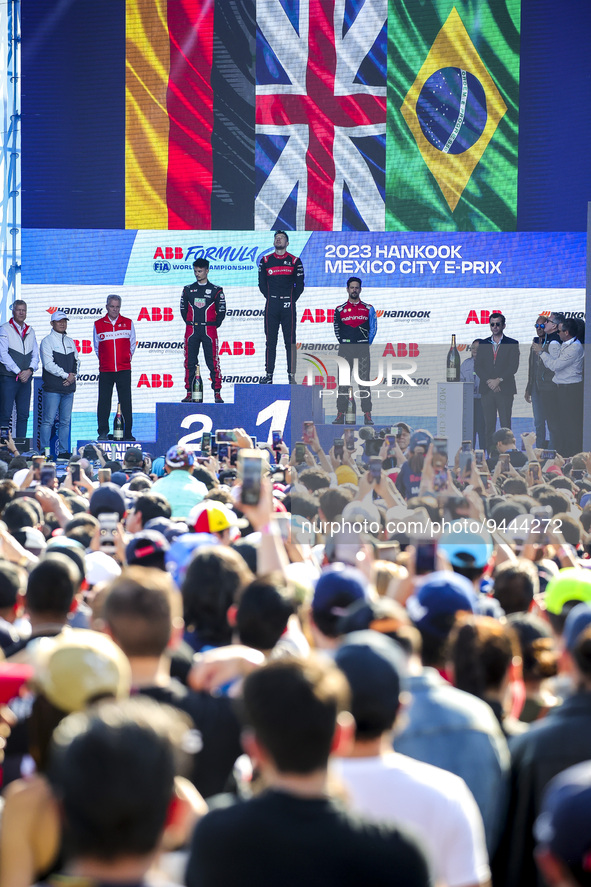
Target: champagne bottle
[197, 391]
[118, 425]
[351, 412]
[453, 362]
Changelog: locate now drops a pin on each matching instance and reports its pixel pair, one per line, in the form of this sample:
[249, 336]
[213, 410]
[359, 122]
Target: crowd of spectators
[379, 667]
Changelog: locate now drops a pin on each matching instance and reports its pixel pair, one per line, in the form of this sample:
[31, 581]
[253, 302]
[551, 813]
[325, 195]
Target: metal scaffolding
[10, 209]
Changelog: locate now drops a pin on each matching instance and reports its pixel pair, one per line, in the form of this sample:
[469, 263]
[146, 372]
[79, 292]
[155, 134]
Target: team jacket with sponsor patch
[203, 304]
[355, 323]
[17, 351]
[60, 358]
[281, 277]
[114, 343]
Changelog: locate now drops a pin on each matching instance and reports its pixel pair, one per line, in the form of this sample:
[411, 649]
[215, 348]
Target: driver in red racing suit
[203, 308]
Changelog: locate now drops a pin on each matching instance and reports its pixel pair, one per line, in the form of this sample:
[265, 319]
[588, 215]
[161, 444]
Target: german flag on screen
[169, 114]
[140, 114]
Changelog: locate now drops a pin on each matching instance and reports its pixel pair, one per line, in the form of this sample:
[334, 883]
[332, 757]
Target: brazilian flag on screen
[453, 90]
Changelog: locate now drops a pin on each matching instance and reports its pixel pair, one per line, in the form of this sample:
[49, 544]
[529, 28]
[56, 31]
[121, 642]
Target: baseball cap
[107, 498]
[78, 666]
[337, 587]
[146, 548]
[420, 438]
[467, 549]
[375, 668]
[20, 475]
[34, 540]
[170, 529]
[564, 822]
[442, 593]
[119, 478]
[572, 584]
[346, 475]
[180, 553]
[529, 627]
[179, 457]
[58, 315]
[212, 517]
[101, 567]
[133, 456]
[578, 619]
[365, 514]
[380, 615]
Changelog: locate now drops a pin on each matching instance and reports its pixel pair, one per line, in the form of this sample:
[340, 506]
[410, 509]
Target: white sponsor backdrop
[406, 316]
[424, 287]
[432, 315]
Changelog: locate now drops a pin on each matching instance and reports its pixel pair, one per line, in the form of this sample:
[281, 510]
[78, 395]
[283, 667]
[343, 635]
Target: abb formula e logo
[237, 348]
[155, 380]
[484, 317]
[156, 314]
[401, 349]
[169, 252]
[319, 316]
[83, 346]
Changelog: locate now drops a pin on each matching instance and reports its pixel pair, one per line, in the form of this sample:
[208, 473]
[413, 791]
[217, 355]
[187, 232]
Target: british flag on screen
[321, 114]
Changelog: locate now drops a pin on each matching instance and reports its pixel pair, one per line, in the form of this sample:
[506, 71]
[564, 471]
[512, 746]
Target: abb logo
[401, 349]
[155, 381]
[319, 316]
[237, 348]
[83, 346]
[155, 314]
[322, 382]
[484, 316]
[169, 252]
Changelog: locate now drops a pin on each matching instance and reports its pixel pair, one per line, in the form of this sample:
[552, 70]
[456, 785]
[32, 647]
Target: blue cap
[578, 619]
[180, 554]
[338, 586]
[466, 549]
[440, 594]
[564, 823]
[420, 438]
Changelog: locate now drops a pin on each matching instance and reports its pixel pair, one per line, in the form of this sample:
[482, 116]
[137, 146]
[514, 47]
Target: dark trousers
[12, 391]
[550, 397]
[492, 404]
[361, 354]
[122, 380]
[208, 337]
[280, 313]
[539, 418]
[479, 432]
[570, 414]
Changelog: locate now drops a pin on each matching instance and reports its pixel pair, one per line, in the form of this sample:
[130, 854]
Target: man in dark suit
[496, 363]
